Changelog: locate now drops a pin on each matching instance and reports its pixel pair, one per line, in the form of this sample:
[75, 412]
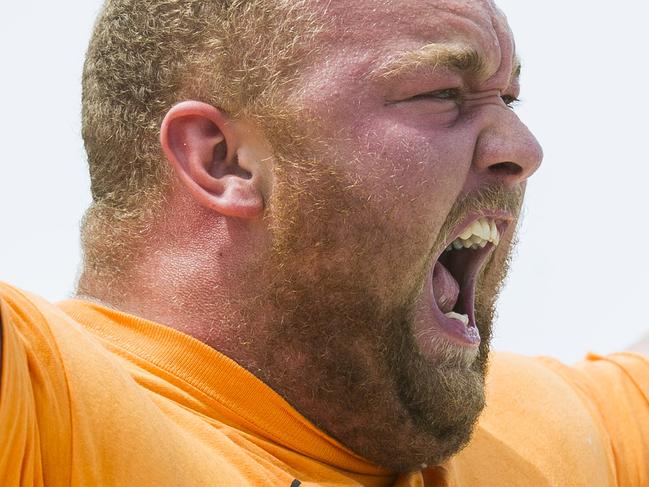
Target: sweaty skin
[302, 251]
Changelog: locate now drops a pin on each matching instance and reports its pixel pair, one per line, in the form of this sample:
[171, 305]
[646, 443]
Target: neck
[188, 275]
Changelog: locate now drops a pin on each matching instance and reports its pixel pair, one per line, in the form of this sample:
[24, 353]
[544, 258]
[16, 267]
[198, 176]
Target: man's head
[303, 224]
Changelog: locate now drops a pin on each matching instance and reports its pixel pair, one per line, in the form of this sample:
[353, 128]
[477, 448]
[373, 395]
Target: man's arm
[641, 347]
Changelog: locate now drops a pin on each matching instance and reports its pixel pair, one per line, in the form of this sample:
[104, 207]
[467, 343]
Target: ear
[211, 159]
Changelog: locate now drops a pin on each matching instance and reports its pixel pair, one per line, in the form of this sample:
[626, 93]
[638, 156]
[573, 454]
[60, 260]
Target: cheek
[421, 169]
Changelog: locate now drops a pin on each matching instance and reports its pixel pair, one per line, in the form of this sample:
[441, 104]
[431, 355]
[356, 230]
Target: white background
[579, 279]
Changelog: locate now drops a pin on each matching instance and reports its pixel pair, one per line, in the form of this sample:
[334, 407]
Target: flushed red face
[393, 223]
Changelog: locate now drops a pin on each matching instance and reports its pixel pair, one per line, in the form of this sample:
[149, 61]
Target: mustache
[487, 199]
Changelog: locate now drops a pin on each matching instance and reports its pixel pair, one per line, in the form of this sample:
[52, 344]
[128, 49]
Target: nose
[506, 151]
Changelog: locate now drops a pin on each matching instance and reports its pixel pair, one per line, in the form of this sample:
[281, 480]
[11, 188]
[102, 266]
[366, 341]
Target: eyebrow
[455, 57]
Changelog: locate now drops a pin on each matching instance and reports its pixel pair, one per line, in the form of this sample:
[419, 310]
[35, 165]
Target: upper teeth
[477, 235]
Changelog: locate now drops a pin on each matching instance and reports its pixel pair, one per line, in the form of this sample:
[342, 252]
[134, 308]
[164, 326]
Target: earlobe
[203, 147]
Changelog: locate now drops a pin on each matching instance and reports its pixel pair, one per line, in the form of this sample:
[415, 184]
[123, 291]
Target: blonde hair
[146, 55]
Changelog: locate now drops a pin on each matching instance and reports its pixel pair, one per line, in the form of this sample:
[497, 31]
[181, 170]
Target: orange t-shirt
[91, 396]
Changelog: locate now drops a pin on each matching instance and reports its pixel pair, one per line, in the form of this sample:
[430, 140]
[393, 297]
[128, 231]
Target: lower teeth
[464, 319]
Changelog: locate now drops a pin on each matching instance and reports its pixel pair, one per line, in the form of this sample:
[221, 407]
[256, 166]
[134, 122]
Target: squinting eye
[452, 94]
[510, 101]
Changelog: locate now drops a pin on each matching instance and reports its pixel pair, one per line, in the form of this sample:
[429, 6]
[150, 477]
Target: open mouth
[455, 274]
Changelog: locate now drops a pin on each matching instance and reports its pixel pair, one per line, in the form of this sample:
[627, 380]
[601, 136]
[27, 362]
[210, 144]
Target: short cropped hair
[147, 55]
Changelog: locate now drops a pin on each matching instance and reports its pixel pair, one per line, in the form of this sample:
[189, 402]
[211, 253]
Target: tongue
[445, 288]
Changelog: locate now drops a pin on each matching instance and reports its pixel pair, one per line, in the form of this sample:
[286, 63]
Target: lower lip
[467, 336]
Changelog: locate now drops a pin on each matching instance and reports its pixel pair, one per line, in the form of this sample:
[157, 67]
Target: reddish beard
[340, 346]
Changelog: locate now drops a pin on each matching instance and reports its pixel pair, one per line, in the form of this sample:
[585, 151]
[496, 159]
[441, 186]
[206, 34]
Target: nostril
[506, 169]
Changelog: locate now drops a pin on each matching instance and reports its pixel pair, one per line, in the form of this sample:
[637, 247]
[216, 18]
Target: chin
[441, 388]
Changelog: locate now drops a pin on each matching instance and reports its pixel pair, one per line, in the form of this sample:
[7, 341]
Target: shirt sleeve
[616, 390]
[34, 405]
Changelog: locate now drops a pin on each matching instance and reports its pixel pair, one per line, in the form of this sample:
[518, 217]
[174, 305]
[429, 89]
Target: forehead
[371, 30]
